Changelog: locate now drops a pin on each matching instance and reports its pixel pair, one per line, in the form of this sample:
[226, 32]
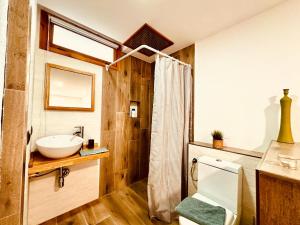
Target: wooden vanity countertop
[39, 163]
[270, 163]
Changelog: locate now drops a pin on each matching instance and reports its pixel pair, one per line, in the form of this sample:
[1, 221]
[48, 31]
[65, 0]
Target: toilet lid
[229, 215]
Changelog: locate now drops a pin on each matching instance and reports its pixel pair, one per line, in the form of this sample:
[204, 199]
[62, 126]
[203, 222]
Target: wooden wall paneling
[147, 73]
[14, 113]
[133, 133]
[123, 85]
[132, 82]
[144, 153]
[121, 148]
[133, 128]
[145, 114]
[13, 150]
[17, 44]
[109, 98]
[108, 125]
[145, 103]
[122, 110]
[107, 164]
[133, 161]
[137, 67]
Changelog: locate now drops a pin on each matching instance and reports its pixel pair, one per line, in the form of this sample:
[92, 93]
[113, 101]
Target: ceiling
[183, 22]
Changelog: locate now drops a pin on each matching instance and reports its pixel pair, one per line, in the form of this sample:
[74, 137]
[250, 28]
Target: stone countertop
[271, 165]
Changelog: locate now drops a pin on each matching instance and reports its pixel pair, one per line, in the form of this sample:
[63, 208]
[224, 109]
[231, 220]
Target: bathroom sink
[59, 146]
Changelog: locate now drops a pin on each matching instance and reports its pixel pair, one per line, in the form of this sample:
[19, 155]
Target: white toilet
[219, 184]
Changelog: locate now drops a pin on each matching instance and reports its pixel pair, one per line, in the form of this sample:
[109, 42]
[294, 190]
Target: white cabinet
[47, 200]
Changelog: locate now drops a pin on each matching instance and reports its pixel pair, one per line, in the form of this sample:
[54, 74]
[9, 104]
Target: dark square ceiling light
[146, 35]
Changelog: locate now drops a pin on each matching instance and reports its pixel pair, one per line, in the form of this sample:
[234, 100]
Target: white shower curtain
[169, 136]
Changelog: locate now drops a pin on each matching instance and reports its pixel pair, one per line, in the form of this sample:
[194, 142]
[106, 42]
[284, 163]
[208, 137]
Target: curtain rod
[149, 48]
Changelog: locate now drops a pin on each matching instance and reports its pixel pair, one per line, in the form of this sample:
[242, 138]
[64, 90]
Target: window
[70, 40]
[74, 40]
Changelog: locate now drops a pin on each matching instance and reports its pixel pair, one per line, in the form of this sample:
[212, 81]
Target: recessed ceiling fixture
[147, 35]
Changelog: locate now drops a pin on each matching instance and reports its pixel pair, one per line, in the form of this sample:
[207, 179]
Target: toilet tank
[221, 181]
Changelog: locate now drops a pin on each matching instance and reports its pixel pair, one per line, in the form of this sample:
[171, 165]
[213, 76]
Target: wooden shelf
[251, 153]
[39, 163]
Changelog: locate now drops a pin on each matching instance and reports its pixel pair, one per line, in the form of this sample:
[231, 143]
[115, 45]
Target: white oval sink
[59, 146]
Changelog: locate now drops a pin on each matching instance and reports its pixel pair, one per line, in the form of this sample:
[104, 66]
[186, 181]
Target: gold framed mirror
[69, 89]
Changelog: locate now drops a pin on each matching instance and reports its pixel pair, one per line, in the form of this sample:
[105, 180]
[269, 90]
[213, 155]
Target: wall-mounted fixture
[133, 109]
[69, 89]
[79, 131]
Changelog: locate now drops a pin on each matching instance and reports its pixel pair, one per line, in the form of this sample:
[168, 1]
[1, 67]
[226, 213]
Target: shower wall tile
[133, 161]
[144, 153]
[138, 68]
[121, 151]
[108, 119]
[108, 140]
[131, 82]
[123, 85]
[145, 106]
[133, 128]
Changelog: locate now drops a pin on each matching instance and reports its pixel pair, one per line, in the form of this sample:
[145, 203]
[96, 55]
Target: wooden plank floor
[128, 206]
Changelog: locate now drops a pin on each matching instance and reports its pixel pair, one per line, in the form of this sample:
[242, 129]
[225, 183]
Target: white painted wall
[50, 122]
[240, 74]
[3, 29]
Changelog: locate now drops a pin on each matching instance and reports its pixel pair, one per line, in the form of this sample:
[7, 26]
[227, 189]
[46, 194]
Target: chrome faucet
[79, 131]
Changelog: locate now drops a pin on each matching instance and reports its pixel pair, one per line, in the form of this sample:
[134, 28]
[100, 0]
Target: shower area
[128, 136]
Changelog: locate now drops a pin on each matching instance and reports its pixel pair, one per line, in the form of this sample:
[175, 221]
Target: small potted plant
[217, 139]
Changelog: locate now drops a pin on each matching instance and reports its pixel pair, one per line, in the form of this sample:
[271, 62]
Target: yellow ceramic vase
[285, 132]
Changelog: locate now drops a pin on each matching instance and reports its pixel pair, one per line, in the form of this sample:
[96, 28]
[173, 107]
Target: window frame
[46, 39]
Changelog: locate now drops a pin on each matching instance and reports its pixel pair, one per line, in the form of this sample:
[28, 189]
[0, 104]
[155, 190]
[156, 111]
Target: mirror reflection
[68, 89]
